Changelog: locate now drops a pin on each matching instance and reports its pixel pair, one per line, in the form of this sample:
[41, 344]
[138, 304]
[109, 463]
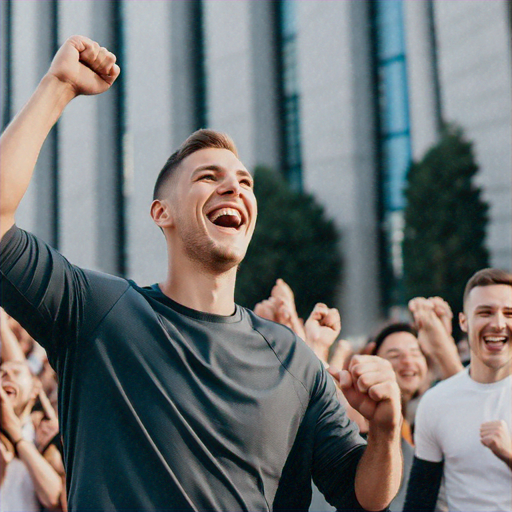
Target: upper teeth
[226, 211]
[495, 338]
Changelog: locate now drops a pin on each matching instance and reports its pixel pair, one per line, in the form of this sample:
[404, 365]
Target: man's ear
[161, 214]
[463, 322]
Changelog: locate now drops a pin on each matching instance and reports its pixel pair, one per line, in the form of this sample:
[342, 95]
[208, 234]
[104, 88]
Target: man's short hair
[486, 277]
[389, 329]
[200, 139]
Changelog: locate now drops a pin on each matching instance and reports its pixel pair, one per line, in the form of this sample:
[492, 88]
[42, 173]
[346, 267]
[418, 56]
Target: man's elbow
[51, 498]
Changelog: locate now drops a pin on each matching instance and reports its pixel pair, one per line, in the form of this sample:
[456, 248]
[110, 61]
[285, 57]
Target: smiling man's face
[487, 319]
[402, 350]
[18, 384]
[213, 208]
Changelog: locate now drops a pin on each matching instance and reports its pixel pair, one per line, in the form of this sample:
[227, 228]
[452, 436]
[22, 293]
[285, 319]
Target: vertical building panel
[189, 90]
[149, 139]
[337, 119]
[26, 73]
[78, 148]
[287, 30]
[424, 94]
[109, 131]
[6, 61]
[46, 175]
[230, 73]
[475, 80]
[265, 103]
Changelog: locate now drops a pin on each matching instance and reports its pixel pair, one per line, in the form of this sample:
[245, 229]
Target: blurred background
[380, 129]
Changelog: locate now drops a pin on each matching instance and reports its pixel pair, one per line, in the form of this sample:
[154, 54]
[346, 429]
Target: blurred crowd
[422, 353]
[31, 466]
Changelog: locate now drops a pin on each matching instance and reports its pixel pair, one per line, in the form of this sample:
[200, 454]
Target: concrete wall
[475, 79]
[336, 107]
[149, 140]
[337, 124]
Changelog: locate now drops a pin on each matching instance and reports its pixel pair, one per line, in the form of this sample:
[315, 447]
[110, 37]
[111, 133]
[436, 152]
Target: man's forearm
[447, 358]
[22, 140]
[379, 472]
[47, 482]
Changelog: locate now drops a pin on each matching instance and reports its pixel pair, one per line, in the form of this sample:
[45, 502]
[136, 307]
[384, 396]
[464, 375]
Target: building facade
[339, 96]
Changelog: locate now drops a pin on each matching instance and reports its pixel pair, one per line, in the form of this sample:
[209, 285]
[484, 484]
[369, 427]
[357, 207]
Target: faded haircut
[200, 139]
[487, 277]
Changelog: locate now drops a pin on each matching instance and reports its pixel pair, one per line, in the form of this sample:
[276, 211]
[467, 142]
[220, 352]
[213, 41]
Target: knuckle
[364, 380]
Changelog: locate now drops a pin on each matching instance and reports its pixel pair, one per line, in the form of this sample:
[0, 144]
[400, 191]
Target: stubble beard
[211, 256]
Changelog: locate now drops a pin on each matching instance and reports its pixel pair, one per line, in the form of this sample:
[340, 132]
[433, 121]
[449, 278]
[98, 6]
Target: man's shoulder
[280, 337]
[442, 391]
[290, 349]
[272, 331]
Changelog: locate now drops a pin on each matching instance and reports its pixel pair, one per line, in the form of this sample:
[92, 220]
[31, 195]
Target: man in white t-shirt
[463, 425]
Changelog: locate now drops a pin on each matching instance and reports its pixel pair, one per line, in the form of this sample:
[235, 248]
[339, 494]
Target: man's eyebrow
[243, 172]
[208, 167]
[218, 168]
[392, 351]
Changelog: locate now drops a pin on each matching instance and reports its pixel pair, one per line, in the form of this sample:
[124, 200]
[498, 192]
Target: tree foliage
[445, 221]
[293, 240]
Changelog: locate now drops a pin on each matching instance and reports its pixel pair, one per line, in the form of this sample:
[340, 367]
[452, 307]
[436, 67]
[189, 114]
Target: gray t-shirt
[166, 408]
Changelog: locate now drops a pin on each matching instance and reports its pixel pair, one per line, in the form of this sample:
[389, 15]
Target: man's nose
[229, 185]
[405, 358]
[499, 321]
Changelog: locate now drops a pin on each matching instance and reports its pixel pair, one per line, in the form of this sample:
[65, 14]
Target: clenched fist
[85, 66]
[370, 387]
[496, 436]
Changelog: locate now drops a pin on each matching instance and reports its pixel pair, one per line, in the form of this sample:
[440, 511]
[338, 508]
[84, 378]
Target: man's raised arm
[80, 66]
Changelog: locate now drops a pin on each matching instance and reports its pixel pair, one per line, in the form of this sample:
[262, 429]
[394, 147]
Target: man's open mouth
[408, 373]
[226, 218]
[495, 342]
[10, 391]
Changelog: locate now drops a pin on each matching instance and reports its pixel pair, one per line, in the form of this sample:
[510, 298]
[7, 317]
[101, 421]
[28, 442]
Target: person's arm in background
[11, 350]
[424, 485]
[433, 319]
[47, 483]
[428, 464]
[321, 330]
[47, 441]
[79, 67]
[6, 455]
[286, 311]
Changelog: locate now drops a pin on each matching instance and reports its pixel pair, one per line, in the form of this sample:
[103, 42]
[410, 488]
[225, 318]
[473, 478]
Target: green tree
[293, 240]
[445, 221]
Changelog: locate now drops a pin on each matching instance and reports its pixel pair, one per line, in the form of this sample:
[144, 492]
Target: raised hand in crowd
[433, 319]
[287, 311]
[11, 347]
[496, 436]
[341, 352]
[321, 330]
[280, 308]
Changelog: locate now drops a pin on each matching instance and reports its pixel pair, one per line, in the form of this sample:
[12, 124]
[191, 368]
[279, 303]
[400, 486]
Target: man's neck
[485, 375]
[201, 290]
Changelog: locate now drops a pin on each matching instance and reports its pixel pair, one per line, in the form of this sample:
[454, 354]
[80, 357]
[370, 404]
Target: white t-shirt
[448, 428]
[18, 493]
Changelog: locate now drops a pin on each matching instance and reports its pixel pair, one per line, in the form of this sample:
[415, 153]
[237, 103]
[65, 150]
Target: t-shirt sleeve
[338, 447]
[56, 302]
[424, 485]
[425, 431]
